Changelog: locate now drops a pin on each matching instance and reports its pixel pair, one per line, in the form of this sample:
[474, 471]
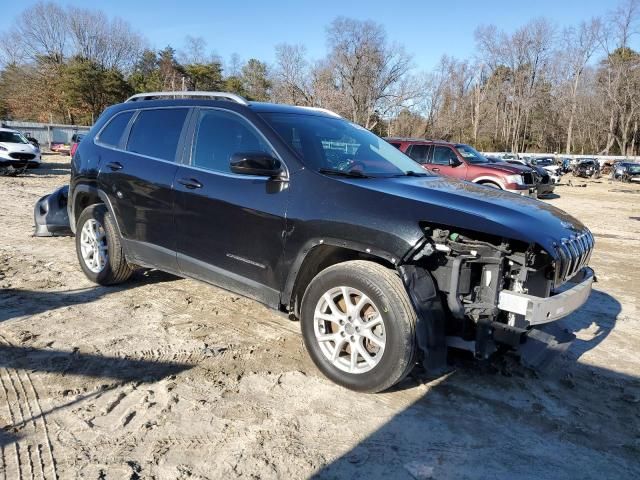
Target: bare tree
[234, 66]
[578, 47]
[43, 30]
[368, 70]
[291, 77]
[194, 51]
[109, 43]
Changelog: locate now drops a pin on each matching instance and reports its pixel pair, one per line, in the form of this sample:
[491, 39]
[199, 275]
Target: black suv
[384, 263]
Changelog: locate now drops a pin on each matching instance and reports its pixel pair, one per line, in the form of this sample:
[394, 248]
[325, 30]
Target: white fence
[47, 133]
[600, 158]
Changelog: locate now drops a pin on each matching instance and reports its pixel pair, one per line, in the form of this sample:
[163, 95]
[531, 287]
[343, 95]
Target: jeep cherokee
[384, 264]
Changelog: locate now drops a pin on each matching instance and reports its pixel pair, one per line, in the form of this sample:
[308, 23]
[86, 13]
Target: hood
[478, 208]
[18, 147]
[508, 168]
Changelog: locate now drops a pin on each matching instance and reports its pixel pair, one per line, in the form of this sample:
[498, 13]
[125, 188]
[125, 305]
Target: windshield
[12, 137]
[470, 154]
[333, 145]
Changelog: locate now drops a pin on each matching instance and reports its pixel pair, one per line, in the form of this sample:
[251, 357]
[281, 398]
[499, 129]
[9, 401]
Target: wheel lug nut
[353, 339]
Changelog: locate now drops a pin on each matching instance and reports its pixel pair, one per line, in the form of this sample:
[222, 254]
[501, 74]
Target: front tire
[99, 248]
[358, 325]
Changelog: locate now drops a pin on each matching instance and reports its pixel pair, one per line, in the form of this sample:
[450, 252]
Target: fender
[71, 205]
[95, 191]
[308, 247]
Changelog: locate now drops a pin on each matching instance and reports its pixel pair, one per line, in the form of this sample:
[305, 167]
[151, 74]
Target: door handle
[190, 183]
[435, 169]
[113, 166]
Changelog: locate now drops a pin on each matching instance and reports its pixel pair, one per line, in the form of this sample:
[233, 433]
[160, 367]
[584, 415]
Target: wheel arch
[485, 180]
[319, 255]
[84, 196]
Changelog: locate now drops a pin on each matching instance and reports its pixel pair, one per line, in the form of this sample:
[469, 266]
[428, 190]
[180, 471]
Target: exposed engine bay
[496, 290]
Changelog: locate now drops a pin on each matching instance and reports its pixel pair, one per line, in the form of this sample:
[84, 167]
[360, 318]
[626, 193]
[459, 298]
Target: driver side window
[442, 155]
[219, 135]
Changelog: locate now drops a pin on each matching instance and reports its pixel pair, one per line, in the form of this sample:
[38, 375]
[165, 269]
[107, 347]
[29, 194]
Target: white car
[15, 149]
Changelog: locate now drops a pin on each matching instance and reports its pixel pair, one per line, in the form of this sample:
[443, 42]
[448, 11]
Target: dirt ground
[165, 378]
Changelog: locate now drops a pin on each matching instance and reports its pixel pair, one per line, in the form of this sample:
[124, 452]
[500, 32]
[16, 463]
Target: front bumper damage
[535, 335]
[545, 338]
[50, 214]
[537, 310]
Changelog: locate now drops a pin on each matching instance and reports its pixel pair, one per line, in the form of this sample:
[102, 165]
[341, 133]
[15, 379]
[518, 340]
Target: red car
[75, 142]
[466, 163]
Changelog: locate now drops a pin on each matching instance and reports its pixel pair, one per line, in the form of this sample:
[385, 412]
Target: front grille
[21, 156]
[528, 178]
[575, 253]
[545, 179]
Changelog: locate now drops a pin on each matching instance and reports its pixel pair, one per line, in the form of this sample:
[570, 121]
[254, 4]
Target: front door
[444, 161]
[229, 227]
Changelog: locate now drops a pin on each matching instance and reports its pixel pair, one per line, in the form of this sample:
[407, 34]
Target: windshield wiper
[411, 173]
[343, 173]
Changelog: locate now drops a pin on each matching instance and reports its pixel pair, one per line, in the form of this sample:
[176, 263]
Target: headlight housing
[3, 149]
[517, 179]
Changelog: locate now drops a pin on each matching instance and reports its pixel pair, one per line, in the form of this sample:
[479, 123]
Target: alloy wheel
[349, 329]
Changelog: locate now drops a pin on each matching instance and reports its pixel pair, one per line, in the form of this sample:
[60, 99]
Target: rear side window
[112, 133]
[156, 133]
[221, 134]
[419, 153]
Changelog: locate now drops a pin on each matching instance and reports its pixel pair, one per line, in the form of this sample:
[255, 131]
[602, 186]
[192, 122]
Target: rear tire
[378, 324]
[99, 248]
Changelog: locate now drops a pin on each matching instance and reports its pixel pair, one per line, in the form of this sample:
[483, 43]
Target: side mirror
[454, 162]
[255, 163]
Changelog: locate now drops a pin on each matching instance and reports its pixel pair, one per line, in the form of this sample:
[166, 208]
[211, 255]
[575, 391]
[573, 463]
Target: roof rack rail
[187, 94]
[408, 139]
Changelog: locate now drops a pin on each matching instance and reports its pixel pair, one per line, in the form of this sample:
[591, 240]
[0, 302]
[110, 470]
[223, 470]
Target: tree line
[538, 88]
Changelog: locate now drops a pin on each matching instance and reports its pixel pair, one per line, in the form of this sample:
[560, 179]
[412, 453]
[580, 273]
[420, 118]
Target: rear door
[229, 227]
[420, 153]
[137, 177]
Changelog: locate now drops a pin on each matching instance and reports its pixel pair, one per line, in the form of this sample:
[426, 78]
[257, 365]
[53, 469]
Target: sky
[427, 29]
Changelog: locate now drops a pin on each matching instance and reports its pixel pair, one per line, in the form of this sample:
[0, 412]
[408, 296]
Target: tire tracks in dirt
[32, 455]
